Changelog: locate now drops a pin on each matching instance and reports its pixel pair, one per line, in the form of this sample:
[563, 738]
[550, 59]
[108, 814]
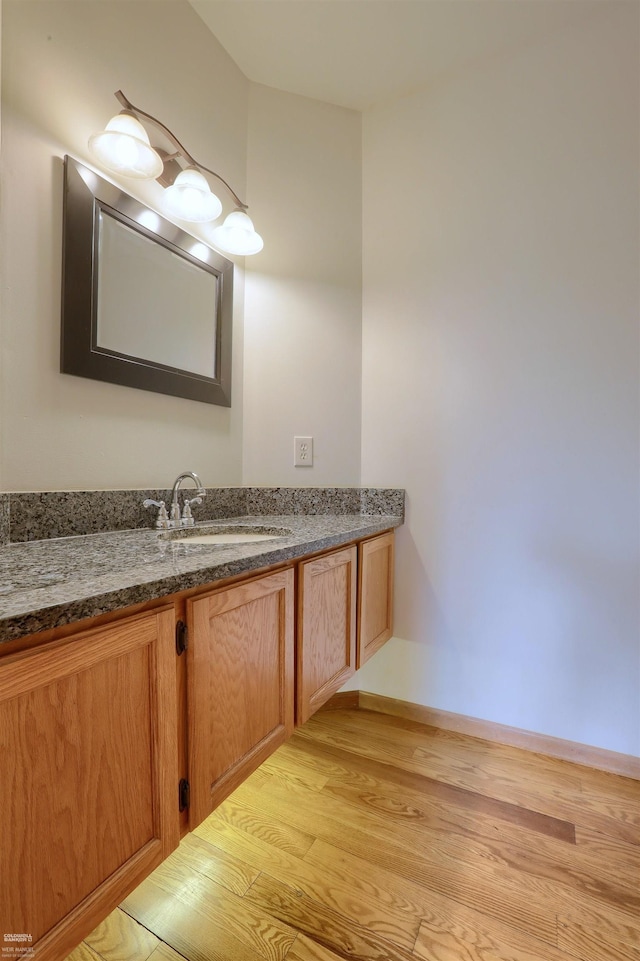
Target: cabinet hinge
[182, 637]
[184, 794]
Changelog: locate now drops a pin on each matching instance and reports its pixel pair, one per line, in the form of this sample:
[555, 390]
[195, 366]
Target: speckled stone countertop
[47, 583]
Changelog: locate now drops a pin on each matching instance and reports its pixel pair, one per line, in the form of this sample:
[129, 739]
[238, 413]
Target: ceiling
[357, 53]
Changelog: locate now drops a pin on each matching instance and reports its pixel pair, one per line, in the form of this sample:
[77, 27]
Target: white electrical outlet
[303, 451]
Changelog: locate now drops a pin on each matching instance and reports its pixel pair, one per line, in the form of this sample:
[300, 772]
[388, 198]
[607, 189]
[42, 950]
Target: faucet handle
[187, 516]
[162, 520]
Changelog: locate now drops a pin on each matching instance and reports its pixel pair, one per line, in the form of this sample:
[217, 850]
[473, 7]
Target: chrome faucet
[162, 520]
[176, 519]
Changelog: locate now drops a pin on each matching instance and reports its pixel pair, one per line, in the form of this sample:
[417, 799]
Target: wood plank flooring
[372, 838]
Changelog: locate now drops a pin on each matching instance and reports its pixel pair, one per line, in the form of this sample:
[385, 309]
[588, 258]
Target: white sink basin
[230, 534]
[245, 538]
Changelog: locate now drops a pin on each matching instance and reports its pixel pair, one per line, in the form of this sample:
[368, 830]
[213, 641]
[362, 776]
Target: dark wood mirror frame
[86, 195]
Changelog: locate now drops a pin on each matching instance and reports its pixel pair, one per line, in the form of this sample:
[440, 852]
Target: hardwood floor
[372, 838]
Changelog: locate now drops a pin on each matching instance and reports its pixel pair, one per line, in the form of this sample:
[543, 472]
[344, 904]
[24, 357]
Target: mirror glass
[144, 304]
[138, 277]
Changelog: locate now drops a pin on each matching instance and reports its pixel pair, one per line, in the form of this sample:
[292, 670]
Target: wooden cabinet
[240, 684]
[326, 638]
[89, 776]
[97, 726]
[375, 595]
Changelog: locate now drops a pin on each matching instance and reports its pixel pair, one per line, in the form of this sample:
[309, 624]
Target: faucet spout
[175, 506]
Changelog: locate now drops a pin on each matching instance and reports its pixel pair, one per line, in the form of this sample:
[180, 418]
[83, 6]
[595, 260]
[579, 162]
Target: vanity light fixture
[190, 198]
[124, 148]
[237, 234]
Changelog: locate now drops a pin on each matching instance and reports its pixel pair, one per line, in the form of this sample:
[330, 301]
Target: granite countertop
[48, 583]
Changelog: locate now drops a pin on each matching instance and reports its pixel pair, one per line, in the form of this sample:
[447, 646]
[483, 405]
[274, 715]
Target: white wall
[62, 62]
[303, 294]
[499, 342]
[1, 217]
[500, 383]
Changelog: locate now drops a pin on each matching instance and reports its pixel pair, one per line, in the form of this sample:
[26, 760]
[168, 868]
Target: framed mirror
[144, 304]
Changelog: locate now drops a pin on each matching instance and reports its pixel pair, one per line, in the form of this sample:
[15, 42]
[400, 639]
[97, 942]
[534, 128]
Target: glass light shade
[237, 235]
[123, 148]
[190, 198]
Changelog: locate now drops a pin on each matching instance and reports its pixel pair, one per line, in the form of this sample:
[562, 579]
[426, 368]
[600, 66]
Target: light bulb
[190, 198]
[123, 147]
[237, 235]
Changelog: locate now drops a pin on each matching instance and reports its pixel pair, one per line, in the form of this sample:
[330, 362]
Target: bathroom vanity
[140, 702]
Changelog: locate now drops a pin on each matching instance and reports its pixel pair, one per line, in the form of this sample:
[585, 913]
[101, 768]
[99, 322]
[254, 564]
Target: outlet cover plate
[303, 451]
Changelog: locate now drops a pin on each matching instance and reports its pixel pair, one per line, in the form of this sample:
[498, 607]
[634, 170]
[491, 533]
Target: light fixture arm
[181, 152]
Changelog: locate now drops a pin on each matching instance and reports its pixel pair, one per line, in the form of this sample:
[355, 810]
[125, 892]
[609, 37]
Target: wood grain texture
[375, 595]
[231, 872]
[240, 684]
[340, 848]
[324, 926]
[164, 953]
[358, 773]
[353, 897]
[83, 953]
[342, 700]
[304, 949]
[94, 750]
[120, 938]
[442, 757]
[592, 938]
[182, 701]
[326, 637]
[593, 758]
[202, 919]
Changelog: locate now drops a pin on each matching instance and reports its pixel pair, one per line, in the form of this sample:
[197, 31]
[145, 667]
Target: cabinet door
[375, 595]
[240, 684]
[88, 790]
[326, 643]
